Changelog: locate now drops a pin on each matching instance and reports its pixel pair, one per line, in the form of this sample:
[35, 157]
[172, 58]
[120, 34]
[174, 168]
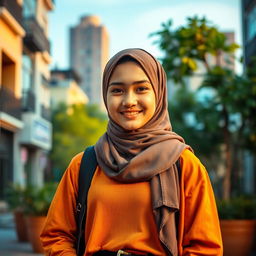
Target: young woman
[137, 191]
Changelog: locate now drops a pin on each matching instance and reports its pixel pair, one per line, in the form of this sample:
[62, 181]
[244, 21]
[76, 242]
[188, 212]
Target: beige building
[36, 137]
[65, 88]
[89, 52]
[10, 90]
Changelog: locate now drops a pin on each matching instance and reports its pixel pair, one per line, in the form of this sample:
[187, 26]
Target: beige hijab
[147, 154]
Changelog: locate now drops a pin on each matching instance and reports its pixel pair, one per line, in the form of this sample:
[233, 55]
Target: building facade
[25, 137]
[249, 30]
[89, 51]
[11, 123]
[35, 137]
[248, 9]
[64, 86]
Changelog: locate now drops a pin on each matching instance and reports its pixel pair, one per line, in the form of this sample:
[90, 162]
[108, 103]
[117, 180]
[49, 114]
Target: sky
[130, 22]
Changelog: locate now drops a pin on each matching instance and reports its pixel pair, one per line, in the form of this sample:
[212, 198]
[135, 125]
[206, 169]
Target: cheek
[150, 102]
[112, 106]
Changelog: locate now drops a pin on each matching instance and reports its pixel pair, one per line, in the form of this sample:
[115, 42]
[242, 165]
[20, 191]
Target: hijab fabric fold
[146, 154]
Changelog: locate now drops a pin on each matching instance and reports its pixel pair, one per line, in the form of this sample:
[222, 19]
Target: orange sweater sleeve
[199, 230]
[59, 233]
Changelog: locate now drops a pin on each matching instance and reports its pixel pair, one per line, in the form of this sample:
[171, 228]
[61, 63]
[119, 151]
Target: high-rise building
[249, 30]
[89, 51]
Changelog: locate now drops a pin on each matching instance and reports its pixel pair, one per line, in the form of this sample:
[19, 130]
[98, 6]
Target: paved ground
[9, 246]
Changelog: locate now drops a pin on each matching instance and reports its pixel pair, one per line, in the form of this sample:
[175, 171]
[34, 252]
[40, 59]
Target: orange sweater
[120, 215]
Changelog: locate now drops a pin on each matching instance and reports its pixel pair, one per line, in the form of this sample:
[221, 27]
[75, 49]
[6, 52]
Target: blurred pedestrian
[139, 202]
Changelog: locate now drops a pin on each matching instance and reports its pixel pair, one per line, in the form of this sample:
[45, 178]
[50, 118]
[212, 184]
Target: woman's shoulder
[188, 157]
[192, 168]
[74, 164]
[77, 159]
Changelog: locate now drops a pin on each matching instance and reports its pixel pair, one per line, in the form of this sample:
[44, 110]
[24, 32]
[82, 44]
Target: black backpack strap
[87, 168]
[177, 213]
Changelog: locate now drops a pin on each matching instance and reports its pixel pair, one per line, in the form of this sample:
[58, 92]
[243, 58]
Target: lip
[130, 113]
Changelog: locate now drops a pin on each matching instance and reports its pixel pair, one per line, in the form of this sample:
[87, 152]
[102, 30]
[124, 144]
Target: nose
[129, 99]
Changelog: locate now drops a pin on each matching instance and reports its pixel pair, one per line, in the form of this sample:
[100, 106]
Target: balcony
[35, 38]
[28, 101]
[37, 132]
[14, 8]
[9, 104]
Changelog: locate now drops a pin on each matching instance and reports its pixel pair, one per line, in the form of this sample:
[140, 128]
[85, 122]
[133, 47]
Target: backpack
[88, 163]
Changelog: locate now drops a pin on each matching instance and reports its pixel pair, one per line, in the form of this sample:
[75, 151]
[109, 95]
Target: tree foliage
[74, 128]
[231, 107]
[187, 45]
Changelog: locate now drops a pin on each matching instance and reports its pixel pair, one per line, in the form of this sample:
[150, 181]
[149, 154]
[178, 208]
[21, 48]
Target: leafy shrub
[37, 200]
[242, 207]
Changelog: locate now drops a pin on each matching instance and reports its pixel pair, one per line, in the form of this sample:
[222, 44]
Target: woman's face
[131, 100]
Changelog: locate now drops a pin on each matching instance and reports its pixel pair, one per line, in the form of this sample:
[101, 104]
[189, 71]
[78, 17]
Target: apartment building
[25, 137]
[35, 137]
[11, 123]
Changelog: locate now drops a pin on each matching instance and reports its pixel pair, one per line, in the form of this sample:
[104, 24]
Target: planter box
[35, 226]
[20, 226]
[238, 236]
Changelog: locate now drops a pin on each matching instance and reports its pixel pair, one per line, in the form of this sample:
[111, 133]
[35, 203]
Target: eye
[142, 89]
[116, 90]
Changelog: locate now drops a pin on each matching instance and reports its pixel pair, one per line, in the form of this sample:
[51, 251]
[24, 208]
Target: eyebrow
[133, 83]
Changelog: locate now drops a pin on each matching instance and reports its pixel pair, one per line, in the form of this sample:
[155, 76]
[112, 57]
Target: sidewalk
[9, 246]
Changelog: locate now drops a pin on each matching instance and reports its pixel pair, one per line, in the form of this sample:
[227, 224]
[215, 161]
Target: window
[27, 73]
[251, 24]
[28, 97]
[29, 8]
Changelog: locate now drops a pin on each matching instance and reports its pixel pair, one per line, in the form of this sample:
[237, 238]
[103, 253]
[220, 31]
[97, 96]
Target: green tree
[184, 47]
[193, 120]
[233, 96]
[74, 128]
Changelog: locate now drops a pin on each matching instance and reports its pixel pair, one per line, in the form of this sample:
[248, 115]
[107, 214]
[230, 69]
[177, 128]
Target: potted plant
[15, 200]
[238, 223]
[37, 202]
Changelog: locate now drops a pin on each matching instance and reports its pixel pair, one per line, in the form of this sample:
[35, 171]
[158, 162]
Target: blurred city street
[58, 62]
[9, 246]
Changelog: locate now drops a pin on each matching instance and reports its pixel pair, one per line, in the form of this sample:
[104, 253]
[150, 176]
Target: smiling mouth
[130, 114]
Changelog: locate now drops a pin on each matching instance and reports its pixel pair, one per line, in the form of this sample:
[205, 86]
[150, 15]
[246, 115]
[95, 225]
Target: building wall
[66, 90]
[248, 11]
[249, 30]
[10, 92]
[11, 46]
[36, 137]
